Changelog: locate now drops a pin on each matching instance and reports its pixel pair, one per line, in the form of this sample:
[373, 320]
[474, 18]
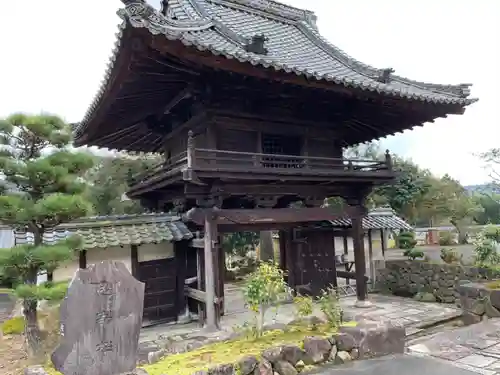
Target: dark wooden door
[160, 281]
[315, 264]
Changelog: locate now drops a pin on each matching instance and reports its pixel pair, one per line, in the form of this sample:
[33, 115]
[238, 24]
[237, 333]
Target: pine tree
[40, 188]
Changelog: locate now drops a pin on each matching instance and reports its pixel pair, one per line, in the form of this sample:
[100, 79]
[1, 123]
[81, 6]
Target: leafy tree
[42, 188]
[238, 243]
[108, 181]
[490, 208]
[492, 159]
[263, 288]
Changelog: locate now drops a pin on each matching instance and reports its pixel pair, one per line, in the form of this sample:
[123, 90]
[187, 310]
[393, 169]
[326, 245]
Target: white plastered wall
[145, 253]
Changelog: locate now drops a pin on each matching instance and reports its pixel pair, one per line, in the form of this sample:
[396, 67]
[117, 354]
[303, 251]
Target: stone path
[475, 348]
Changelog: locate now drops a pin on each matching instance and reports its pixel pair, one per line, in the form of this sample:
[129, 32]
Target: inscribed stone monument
[101, 318]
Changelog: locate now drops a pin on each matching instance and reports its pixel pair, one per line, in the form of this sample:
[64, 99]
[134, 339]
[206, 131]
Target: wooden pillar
[346, 255]
[383, 243]
[334, 278]
[181, 266]
[220, 267]
[282, 243]
[82, 259]
[210, 230]
[370, 257]
[290, 259]
[359, 257]
[200, 275]
[134, 261]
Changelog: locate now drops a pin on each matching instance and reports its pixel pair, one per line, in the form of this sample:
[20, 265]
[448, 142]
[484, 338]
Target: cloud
[56, 56]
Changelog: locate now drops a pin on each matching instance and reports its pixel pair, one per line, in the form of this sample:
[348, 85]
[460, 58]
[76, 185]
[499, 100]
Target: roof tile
[107, 231]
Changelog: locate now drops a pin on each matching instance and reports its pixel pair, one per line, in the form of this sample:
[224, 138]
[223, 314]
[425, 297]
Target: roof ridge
[273, 8]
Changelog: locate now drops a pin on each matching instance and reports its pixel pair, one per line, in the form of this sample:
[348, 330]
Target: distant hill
[483, 188]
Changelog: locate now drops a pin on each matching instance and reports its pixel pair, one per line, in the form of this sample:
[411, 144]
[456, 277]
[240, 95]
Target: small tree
[42, 188]
[264, 288]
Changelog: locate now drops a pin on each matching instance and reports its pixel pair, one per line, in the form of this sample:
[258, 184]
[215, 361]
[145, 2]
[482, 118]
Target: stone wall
[429, 282]
[478, 302]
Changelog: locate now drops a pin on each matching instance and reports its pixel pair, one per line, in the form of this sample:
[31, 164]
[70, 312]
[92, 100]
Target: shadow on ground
[395, 365]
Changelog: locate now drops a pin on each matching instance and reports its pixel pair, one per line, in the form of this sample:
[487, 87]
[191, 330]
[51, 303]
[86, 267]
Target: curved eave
[188, 39]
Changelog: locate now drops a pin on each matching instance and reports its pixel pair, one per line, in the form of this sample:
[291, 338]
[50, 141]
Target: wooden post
[211, 322]
[290, 259]
[200, 264]
[383, 243]
[388, 160]
[134, 261]
[359, 258]
[82, 259]
[370, 257]
[334, 281]
[346, 255]
[190, 150]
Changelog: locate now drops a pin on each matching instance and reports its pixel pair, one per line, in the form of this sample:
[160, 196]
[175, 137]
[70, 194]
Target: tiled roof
[106, 231]
[293, 44]
[379, 218]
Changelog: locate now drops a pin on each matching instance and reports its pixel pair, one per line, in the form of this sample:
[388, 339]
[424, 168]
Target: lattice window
[281, 145]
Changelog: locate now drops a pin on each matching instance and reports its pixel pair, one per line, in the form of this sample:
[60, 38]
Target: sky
[54, 54]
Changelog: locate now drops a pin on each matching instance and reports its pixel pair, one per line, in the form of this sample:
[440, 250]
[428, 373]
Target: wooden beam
[198, 295]
[270, 216]
[184, 94]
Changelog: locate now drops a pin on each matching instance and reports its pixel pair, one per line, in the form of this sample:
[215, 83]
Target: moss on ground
[493, 284]
[232, 351]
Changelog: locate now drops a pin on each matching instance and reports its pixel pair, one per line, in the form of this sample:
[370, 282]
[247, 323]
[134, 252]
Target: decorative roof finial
[384, 75]
[257, 45]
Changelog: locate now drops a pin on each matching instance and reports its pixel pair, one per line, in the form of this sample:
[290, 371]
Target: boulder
[155, 356]
[263, 368]
[345, 342]
[293, 354]
[317, 349]
[35, 370]
[374, 339]
[342, 357]
[469, 318]
[273, 354]
[222, 370]
[333, 353]
[285, 368]
[490, 310]
[495, 298]
[247, 365]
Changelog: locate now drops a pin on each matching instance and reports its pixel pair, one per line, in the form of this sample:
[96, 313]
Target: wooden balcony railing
[227, 161]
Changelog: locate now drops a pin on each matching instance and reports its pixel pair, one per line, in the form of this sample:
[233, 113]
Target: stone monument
[101, 318]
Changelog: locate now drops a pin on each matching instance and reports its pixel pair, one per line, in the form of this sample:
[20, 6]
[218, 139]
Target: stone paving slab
[475, 347]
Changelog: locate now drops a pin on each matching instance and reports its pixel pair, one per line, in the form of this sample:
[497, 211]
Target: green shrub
[486, 246]
[413, 254]
[446, 239]
[451, 256]
[14, 326]
[330, 307]
[406, 240]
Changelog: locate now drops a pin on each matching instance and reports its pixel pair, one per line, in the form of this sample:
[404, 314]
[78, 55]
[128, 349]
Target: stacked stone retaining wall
[430, 282]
